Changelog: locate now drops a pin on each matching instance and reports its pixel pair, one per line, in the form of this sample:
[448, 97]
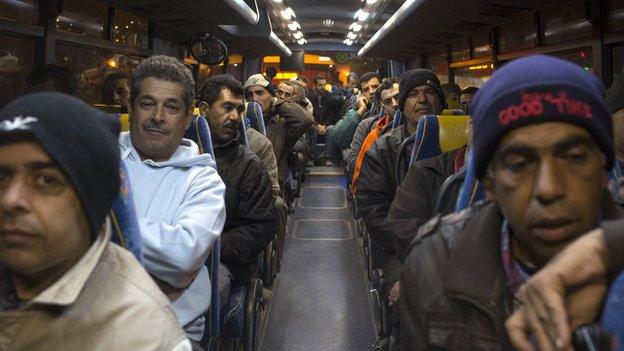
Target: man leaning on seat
[178, 194]
[63, 284]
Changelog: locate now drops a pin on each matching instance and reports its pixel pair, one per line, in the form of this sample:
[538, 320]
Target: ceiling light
[301, 41]
[324, 58]
[298, 35]
[328, 22]
[357, 13]
[277, 1]
[363, 16]
[351, 35]
[294, 26]
[348, 41]
[356, 27]
[370, 2]
[288, 13]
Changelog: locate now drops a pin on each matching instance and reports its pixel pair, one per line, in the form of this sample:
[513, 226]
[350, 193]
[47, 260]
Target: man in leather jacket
[543, 149]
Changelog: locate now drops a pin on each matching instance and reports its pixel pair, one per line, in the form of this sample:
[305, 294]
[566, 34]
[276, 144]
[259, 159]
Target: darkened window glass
[17, 58]
[582, 57]
[130, 30]
[565, 22]
[460, 50]
[518, 34]
[474, 76]
[83, 17]
[92, 66]
[437, 62]
[616, 15]
[618, 61]
[25, 11]
[481, 45]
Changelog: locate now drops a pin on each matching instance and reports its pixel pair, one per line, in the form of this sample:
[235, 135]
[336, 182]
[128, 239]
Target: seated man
[299, 96]
[452, 93]
[63, 284]
[466, 97]
[53, 78]
[250, 217]
[285, 121]
[370, 129]
[345, 128]
[543, 148]
[116, 89]
[420, 94]
[177, 191]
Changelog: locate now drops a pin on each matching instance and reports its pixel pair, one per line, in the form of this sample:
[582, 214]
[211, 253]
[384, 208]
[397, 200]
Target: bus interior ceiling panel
[452, 20]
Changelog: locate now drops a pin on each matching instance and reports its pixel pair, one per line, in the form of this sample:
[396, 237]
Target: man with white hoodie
[178, 193]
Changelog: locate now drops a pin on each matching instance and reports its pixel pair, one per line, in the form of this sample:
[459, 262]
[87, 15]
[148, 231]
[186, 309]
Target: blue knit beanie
[538, 89]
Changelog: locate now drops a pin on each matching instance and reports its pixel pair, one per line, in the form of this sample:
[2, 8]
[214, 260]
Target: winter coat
[454, 291]
[285, 123]
[377, 185]
[106, 301]
[251, 221]
[415, 199]
[181, 212]
[361, 132]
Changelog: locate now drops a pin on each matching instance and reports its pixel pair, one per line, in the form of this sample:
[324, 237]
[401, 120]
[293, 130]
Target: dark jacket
[285, 123]
[319, 101]
[377, 184]
[415, 199]
[361, 132]
[454, 293]
[251, 220]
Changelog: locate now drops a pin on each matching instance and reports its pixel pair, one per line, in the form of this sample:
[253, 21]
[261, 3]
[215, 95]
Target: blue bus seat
[397, 119]
[453, 111]
[199, 132]
[472, 189]
[255, 117]
[242, 126]
[126, 231]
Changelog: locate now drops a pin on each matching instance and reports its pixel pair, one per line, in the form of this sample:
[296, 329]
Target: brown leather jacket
[285, 124]
[454, 293]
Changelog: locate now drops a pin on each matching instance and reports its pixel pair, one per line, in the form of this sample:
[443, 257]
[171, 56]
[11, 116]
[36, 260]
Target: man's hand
[321, 129]
[565, 294]
[393, 295]
[362, 105]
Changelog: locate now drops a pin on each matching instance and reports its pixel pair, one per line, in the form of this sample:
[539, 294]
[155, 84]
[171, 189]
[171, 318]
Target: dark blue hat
[80, 139]
[538, 89]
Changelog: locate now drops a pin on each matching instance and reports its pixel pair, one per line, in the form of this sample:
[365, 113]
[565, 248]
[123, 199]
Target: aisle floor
[320, 297]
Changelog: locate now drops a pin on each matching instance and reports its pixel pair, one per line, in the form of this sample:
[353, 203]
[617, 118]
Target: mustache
[230, 124]
[150, 125]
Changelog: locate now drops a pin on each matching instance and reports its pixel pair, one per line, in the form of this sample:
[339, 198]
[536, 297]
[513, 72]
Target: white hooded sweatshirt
[181, 211]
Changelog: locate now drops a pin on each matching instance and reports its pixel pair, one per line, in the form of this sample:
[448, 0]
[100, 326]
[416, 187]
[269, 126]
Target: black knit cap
[417, 77]
[615, 95]
[80, 139]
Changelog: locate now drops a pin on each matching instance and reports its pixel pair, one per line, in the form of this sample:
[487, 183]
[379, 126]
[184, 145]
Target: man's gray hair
[166, 68]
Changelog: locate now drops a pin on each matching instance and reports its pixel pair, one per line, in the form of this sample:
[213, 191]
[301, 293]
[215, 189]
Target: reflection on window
[481, 45]
[130, 30]
[83, 17]
[460, 50]
[473, 76]
[616, 15]
[92, 66]
[565, 22]
[25, 11]
[17, 58]
[582, 57]
[518, 34]
[437, 62]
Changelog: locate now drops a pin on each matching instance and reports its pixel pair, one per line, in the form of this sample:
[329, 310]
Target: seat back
[397, 119]
[242, 127]
[126, 232]
[439, 134]
[124, 120]
[199, 132]
[472, 189]
[255, 117]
